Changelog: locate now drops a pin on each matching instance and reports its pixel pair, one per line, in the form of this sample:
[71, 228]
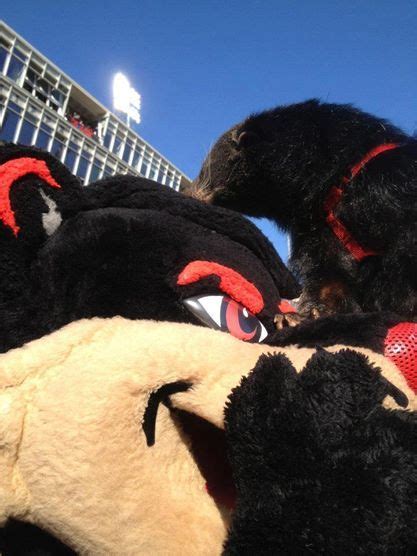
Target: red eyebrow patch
[10, 172]
[231, 282]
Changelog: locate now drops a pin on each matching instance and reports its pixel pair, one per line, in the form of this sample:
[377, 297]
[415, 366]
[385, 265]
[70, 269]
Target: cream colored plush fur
[73, 456]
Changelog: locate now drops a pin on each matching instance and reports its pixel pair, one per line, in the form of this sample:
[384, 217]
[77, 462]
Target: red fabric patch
[333, 198]
[285, 306]
[401, 348]
[12, 171]
[231, 282]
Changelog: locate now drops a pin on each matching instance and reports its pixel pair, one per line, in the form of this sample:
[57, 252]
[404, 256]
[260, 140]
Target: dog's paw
[285, 320]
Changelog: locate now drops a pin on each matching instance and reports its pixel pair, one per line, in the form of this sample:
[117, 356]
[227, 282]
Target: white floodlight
[125, 98]
[121, 92]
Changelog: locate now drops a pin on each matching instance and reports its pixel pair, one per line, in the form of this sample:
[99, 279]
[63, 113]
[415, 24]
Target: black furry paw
[320, 466]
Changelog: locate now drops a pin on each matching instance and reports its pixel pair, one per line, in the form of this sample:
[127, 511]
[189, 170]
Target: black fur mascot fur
[149, 406]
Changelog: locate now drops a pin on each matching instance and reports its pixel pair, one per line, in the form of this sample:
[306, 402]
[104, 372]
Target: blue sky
[202, 66]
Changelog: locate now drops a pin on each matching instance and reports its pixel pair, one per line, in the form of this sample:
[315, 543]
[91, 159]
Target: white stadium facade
[40, 105]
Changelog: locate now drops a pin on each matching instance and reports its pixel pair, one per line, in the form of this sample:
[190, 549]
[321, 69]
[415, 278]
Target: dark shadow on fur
[22, 539]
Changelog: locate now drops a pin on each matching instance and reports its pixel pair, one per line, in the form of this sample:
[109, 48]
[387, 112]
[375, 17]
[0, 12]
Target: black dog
[343, 183]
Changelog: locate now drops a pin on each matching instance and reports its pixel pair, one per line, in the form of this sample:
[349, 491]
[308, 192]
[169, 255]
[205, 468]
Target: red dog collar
[333, 199]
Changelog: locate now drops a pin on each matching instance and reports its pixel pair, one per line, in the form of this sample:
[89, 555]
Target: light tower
[126, 99]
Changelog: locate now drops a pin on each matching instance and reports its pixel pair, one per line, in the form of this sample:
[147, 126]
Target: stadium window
[44, 136]
[15, 68]
[16, 64]
[160, 178]
[107, 139]
[19, 54]
[33, 112]
[56, 99]
[144, 168]
[57, 148]
[71, 155]
[51, 76]
[3, 57]
[70, 159]
[43, 90]
[95, 172]
[82, 168]
[43, 86]
[39, 95]
[8, 128]
[26, 132]
[13, 104]
[42, 140]
[30, 81]
[153, 173]
[127, 150]
[136, 158]
[108, 171]
[84, 163]
[118, 143]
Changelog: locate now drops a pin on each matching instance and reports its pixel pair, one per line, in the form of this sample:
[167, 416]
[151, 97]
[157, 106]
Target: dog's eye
[223, 313]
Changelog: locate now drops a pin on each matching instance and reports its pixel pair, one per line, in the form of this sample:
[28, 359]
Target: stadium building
[40, 105]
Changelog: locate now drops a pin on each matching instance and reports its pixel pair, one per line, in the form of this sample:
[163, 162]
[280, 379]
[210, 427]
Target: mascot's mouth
[208, 447]
[207, 443]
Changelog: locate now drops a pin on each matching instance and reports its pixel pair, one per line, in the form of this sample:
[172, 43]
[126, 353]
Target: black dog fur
[282, 163]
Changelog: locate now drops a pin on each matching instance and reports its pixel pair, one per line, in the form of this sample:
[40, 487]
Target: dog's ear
[37, 193]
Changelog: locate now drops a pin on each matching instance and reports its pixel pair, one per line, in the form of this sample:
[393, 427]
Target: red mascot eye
[223, 313]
